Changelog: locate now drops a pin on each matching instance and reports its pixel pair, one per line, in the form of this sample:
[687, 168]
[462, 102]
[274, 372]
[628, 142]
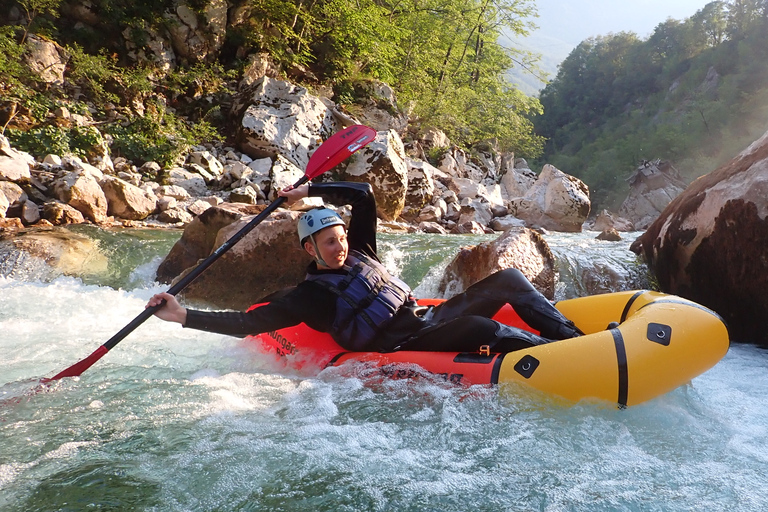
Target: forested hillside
[159, 74]
[695, 93]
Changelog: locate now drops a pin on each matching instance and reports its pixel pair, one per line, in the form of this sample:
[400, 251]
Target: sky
[572, 21]
[563, 24]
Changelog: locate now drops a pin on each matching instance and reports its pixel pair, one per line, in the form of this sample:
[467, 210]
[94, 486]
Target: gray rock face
[281, 118]
[652, 187]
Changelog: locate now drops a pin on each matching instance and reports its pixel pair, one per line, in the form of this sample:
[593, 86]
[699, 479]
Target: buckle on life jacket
[485, 350]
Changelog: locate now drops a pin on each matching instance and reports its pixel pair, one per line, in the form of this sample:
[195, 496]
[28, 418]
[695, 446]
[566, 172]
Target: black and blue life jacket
[367, 298]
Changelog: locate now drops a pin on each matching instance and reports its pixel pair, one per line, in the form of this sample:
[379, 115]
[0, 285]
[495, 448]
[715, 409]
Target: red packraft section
[304, 348]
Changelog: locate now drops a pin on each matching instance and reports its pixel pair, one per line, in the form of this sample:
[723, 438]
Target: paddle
[336, 149]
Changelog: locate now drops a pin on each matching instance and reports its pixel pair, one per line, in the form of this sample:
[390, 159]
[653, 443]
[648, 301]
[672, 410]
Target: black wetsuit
[460, 324]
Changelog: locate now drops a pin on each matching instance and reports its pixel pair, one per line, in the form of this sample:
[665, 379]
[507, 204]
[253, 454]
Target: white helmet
[316, 219]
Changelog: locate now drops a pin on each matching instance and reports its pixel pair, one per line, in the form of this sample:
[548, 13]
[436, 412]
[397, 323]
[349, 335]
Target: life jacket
[367, 298]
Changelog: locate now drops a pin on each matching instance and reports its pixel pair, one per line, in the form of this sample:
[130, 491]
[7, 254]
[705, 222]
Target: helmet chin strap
[318, 258]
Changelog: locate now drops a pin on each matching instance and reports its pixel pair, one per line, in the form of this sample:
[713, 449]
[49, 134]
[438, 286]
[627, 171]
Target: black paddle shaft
[195, 273]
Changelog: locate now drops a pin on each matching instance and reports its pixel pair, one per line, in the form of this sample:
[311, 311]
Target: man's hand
[172, 311]
[294, 194]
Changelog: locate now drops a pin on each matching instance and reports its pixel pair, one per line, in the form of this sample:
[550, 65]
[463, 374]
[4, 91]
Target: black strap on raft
[621, 360]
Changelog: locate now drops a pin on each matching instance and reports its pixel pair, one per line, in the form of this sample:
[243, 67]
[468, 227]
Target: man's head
[324, 236]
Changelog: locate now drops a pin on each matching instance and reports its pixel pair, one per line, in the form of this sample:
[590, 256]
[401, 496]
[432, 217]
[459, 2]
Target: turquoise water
[178, 420]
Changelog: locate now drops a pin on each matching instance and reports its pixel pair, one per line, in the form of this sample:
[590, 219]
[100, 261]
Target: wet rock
[266, 260]
[610, 235]
[50, 253]
[520, 248]
[710, 243]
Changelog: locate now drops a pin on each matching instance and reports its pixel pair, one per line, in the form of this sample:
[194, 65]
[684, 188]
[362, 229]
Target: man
[350, 295]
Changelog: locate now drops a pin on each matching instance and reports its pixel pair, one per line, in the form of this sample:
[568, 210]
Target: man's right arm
[362, 227]
[307, 304]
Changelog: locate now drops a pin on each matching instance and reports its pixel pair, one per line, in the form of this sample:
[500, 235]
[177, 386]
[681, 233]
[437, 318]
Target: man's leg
[469, 334]
[486, 297]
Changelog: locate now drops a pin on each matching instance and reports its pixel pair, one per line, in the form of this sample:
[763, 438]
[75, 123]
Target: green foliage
[42, 140]
[198, 79]
[11, 68]
[160, 137]
[92, 72]
[679, 95]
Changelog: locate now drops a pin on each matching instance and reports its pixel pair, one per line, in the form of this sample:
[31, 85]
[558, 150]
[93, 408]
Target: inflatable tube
[637, 345]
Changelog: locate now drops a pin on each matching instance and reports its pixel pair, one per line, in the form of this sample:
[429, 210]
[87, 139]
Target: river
[179, 420]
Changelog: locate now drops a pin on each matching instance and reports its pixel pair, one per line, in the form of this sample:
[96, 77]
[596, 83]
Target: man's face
[333, 246]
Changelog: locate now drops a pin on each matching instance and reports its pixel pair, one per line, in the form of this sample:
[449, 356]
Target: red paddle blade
[337, 148]
[78, 368]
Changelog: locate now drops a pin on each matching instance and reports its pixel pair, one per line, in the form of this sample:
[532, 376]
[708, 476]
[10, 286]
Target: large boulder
[46, 58]
[710, 243]
[266, 260]
[520, 248]
[82, 191]
[127, 201]
[605, 220]
[457, 163]
[382, 164]
[14, 165]
[59, 214]
[421, 186]
[516, 182]
[280, 118]
[652, 187]
[556, 201]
